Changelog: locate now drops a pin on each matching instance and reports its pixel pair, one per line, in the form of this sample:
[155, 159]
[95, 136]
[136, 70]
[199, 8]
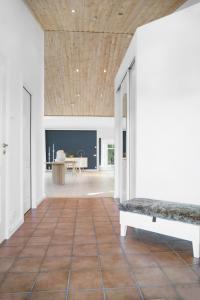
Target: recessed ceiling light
[101, 95]
[77, 70]
[73, 11]
[78, 95]
[72, 104]
[104, 71]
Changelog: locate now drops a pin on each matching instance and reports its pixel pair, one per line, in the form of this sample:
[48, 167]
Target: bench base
[172, 228]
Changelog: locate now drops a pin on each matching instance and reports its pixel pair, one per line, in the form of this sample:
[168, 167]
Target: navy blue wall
[124, 143]
[74, 142]
[100, 151]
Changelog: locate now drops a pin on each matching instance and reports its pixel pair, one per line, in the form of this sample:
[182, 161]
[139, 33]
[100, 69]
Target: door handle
[4, 145]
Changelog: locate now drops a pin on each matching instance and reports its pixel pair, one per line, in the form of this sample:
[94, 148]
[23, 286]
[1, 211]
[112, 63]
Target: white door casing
[125, 167]
[132, 131]
[124, 180]
[3, 147]
[26, 150]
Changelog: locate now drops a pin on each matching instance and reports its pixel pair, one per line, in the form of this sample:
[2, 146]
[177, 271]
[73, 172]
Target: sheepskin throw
[187, 213]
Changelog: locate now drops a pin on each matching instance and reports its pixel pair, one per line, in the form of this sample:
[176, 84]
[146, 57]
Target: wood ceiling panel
[92, 39]
[87, 92]
[114, 16]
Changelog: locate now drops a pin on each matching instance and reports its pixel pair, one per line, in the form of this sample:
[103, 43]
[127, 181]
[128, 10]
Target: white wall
[78, 122]
[21, 45]
[168, 108]
[104, 126]
[188, 4]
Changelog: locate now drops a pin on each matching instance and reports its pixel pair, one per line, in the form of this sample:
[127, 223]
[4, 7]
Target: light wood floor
[86, 184]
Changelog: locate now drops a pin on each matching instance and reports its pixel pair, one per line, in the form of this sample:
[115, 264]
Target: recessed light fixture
[101, 95]
[104, 71]
[77, 70]
[72, 104]
[78, 95]
[73, 11]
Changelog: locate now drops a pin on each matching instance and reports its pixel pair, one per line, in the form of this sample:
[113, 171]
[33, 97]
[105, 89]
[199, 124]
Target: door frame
[31, 196]
[130, 135]
[4, 203]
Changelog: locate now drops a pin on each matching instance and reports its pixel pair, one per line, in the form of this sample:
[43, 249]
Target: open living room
[79, 156]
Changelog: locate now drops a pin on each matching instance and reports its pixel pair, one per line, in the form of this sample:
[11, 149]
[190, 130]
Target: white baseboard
[1, 240]
[41, 199]
[14, 228]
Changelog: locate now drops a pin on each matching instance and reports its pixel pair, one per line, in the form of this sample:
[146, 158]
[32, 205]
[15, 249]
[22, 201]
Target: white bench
[169, 218]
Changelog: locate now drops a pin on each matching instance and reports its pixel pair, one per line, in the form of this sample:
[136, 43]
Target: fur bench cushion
[187, 213]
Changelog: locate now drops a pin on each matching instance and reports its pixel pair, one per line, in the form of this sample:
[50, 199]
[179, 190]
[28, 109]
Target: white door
[2, 154]
[26, 150]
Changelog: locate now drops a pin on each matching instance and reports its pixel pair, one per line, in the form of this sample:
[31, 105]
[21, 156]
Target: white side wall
[75, 123]
[188, 4]
[21, 45]
[168, 108]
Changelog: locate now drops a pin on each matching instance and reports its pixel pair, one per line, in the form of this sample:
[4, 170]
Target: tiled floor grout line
[125, 257]
[99, 260]
[69, 271]
[170, 282]
[161, 268]
[171, 250]
[112, 222]
[49, 244]
[173, 285]
[44, 256]
[17, 256]
[70, 267]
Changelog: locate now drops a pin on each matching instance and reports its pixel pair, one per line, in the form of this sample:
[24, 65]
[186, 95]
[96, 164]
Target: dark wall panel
[124, 143]
[75, 142]
[100, 151]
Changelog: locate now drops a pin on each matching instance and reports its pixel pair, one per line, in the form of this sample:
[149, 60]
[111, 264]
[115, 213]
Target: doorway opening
[75, 163]
[111, 154]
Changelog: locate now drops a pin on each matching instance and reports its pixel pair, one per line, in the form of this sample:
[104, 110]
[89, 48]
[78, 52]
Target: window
[111, 154]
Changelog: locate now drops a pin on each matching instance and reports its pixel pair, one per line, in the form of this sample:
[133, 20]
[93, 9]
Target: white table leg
[196, 249]
[196, 243]
[123, 230]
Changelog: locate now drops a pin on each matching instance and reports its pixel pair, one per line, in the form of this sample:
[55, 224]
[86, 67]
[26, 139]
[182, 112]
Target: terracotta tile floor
[71, 249]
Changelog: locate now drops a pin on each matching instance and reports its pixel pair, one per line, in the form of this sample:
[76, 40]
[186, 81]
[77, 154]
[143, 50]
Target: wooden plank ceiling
[85, 41]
